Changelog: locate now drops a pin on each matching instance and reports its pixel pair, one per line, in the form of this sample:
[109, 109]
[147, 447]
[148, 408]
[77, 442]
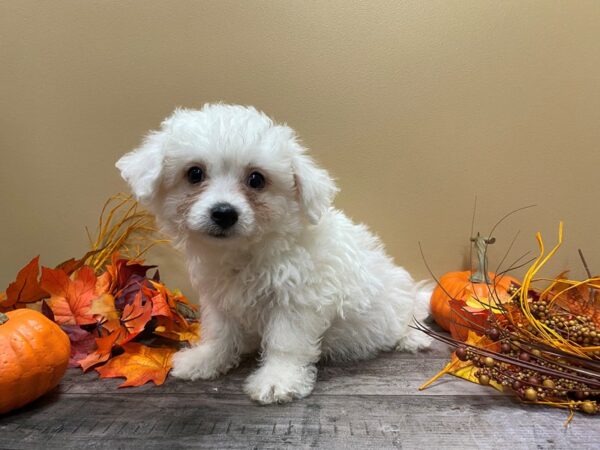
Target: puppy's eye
[195, 175]
[256, 180]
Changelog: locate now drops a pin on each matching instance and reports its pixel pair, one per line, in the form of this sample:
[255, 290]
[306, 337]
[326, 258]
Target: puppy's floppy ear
[142, 167]
[316, 189]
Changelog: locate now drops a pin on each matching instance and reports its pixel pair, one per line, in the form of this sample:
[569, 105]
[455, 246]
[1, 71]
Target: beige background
[416, 108]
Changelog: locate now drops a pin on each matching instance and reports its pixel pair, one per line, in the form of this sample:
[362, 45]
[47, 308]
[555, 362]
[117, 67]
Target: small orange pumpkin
[458, 302]
[34, 355]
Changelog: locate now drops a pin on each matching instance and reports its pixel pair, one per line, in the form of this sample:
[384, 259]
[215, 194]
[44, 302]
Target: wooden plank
[389, 374]
[231, 421]
[378, 377]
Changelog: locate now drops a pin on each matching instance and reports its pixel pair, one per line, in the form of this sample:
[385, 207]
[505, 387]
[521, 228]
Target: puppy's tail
[424, 289]
[414, 339]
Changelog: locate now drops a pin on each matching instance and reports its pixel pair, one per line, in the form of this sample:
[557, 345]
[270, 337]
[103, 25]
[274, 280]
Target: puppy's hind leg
[291, 347]
[219, 349]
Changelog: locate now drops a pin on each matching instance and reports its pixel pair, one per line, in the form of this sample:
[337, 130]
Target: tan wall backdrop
[416, 107]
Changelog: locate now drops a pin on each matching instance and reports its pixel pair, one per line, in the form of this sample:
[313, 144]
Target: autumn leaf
[175, 317]
[127, 293]
[126, 268]
[45, 310]
[177, 302]
[82, 343]
[580, 298]
[132, 321]
[70, 300]
[160, 306]
[138, 365]
[104, 346]
[136, 316]
[55, 281]
[103, 284]
[104, 306]
[71, 265]
[174, 331]
[475, 304]
[191, 334]
[108, 280]
[473, 316]
[118, 275]
[466, 369]
[25, 289]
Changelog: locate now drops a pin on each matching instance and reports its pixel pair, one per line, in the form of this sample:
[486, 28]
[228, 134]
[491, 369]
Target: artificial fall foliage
[541, 344]
[139, 364]
[120, 319]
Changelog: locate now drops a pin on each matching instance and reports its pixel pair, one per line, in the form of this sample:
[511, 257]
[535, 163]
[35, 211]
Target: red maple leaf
[71, 265]
[25, 289]
[121, 270]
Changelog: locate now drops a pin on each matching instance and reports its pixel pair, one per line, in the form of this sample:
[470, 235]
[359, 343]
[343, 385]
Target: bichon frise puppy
[278, 269]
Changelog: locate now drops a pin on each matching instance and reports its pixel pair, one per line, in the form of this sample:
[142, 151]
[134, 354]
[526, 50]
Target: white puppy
[277, 268]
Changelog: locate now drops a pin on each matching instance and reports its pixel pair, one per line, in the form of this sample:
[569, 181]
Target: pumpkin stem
[3, 318]
[481, 274]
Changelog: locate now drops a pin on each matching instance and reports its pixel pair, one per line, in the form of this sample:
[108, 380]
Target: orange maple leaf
[136, 316]
[104, 306]
[70, 300]
[181, 308]
[466, 369]
[103, 283]
[104, 346]
[139, 364]
[173, 313]
[107, 281]
[133, 320]
[177, 331]
[160, 305]
[25, 289]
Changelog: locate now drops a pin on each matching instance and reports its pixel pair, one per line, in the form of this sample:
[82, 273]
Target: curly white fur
[293, 278]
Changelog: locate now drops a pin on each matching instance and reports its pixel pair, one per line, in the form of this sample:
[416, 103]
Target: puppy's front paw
[203, 362]
[280, 383]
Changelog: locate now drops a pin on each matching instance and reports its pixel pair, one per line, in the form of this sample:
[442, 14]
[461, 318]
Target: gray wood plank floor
[372, 404]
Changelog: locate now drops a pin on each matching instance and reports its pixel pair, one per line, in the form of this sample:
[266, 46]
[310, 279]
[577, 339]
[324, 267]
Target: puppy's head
[227, 173]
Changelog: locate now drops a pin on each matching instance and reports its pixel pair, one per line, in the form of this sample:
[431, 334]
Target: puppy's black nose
[224, 215]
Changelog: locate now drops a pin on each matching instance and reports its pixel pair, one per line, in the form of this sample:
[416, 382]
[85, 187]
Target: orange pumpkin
[463, 300]
[34, 355]
[448, 309]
